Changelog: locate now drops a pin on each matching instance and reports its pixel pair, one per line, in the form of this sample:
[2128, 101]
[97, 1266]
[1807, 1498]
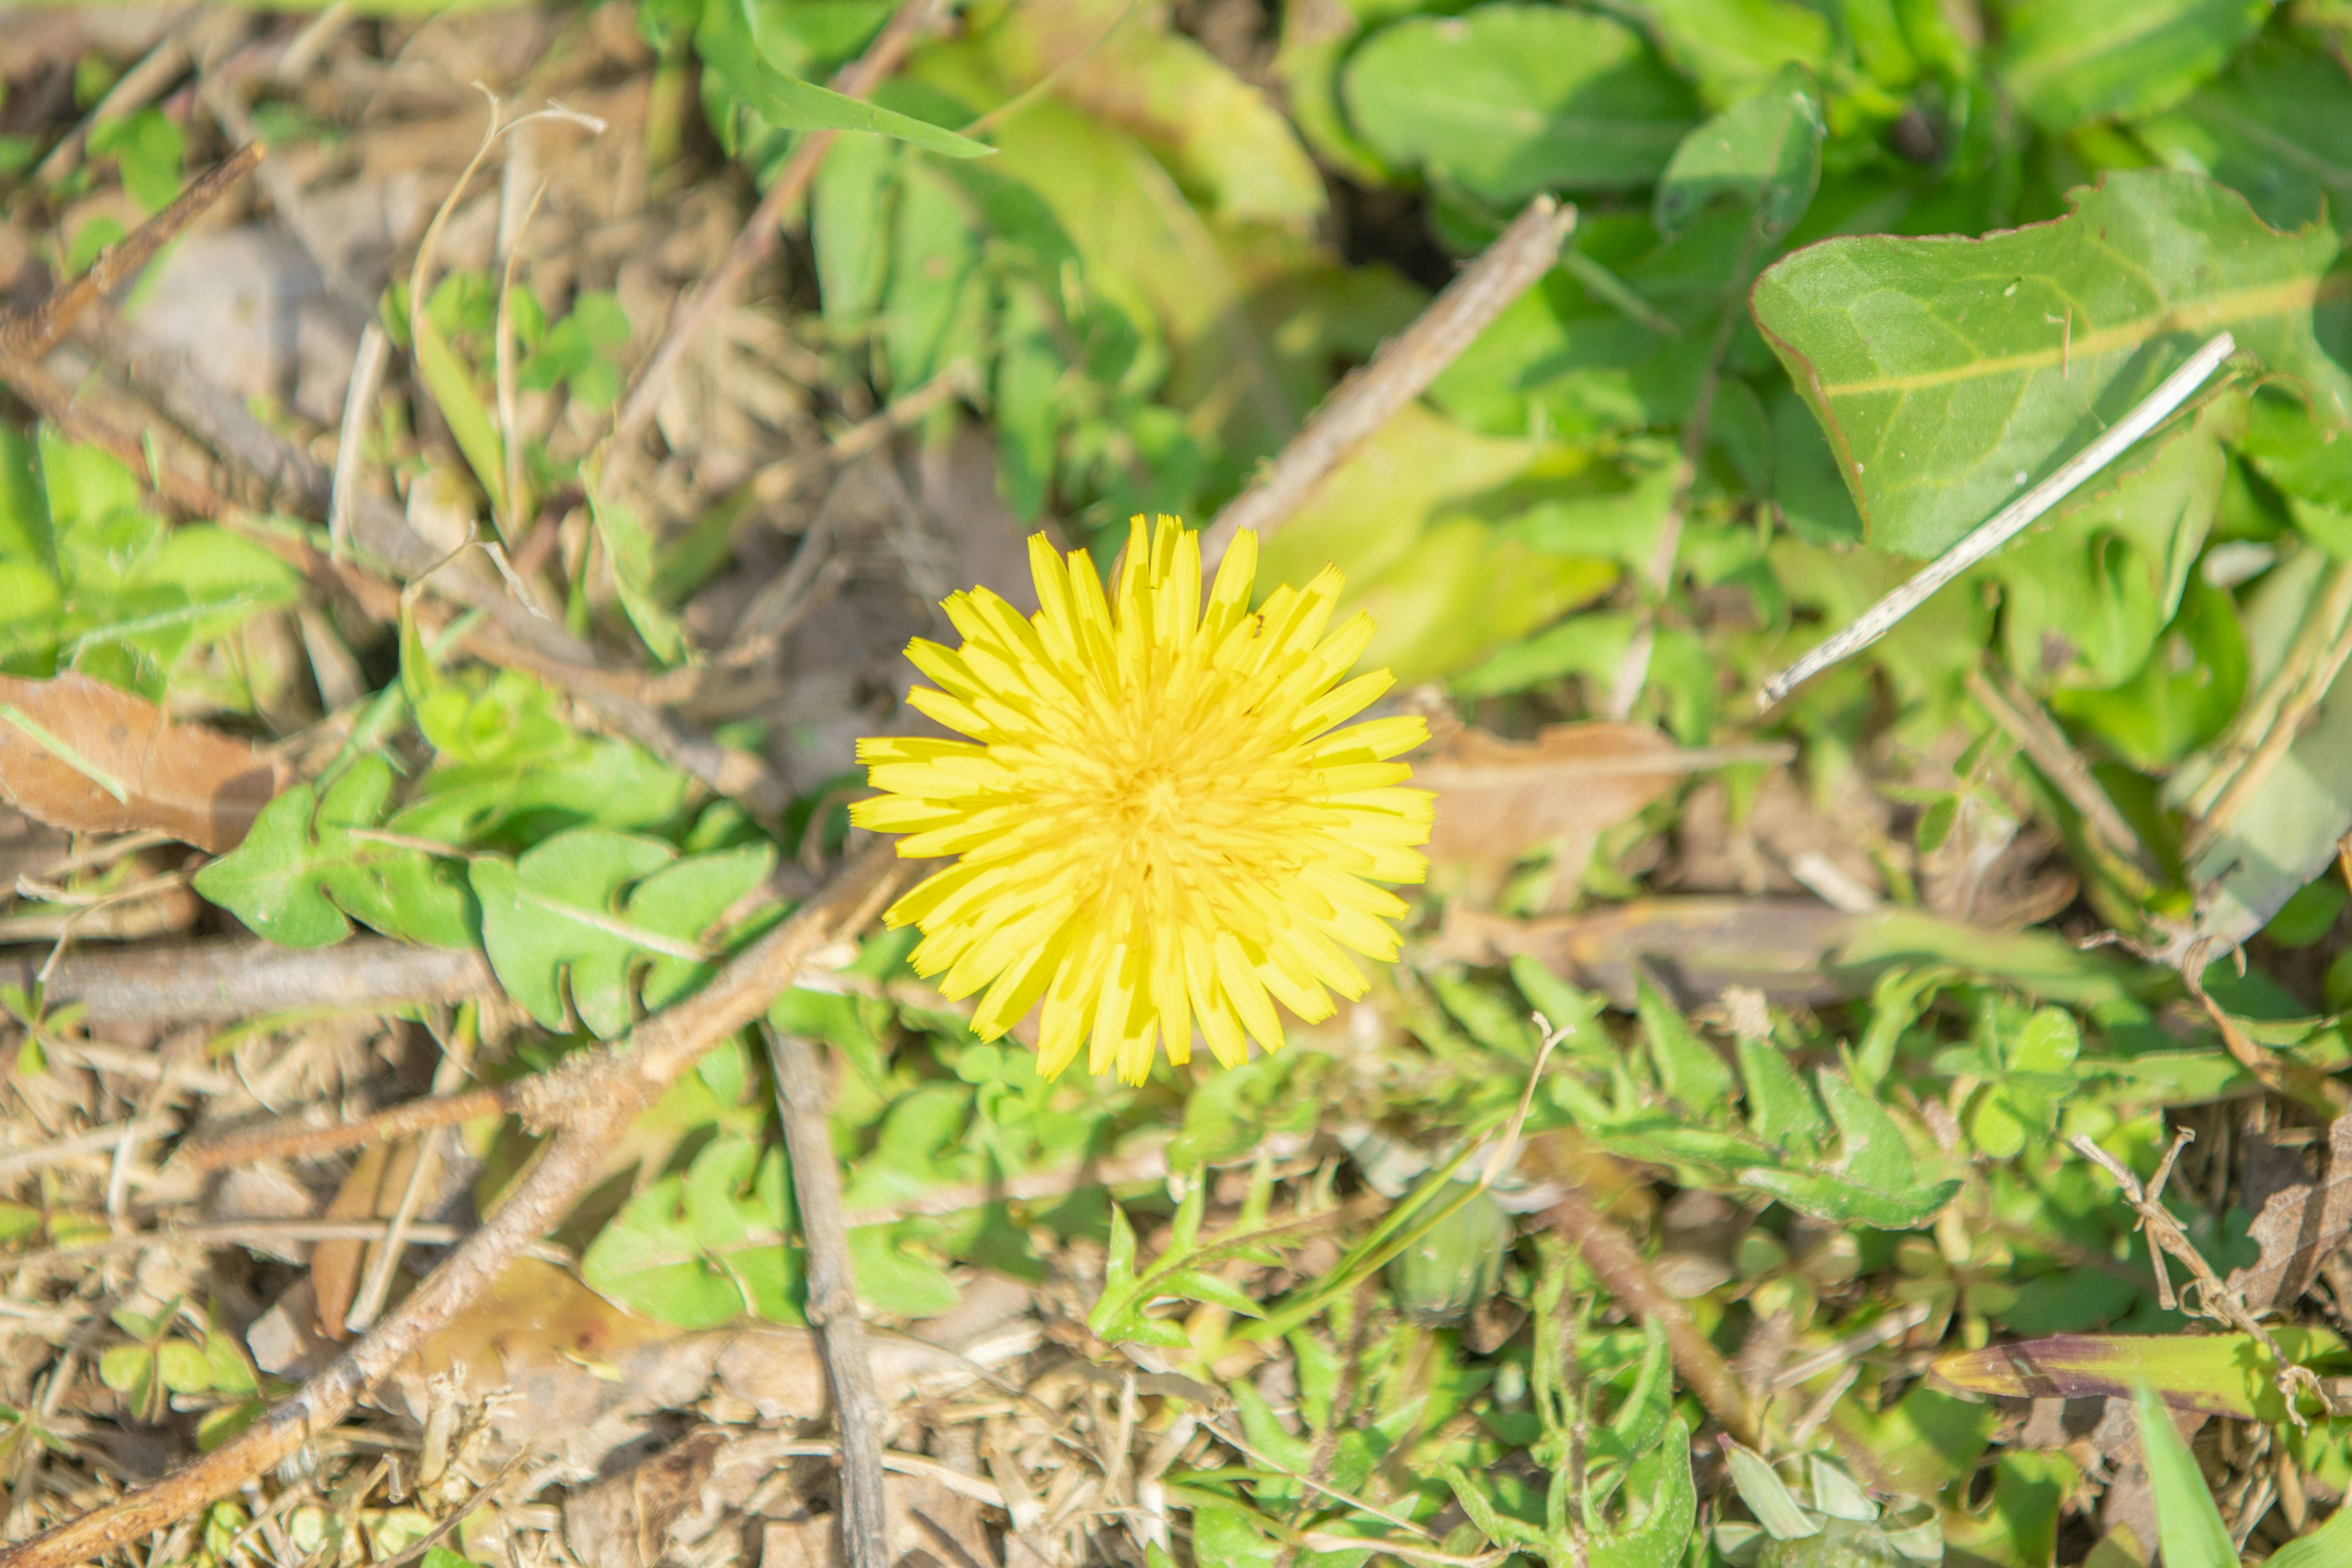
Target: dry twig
[803, 1102]
[763, 233]
[2208, 1297]
[587, 1103]
[1398, 373]
[1620, 1268]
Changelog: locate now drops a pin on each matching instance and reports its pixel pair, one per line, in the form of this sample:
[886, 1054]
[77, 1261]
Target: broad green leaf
[1373, 510]
[1780, 1108]
[2183, 695]
[301, 870]
[1222, 138]
[1230, 1114]
[560, 911]
[2066, 61]
[1732, 47]
[2271, 128]
[1764, 152]
[935, 306]
[1507, 100]
[729, 43]
[1465, 587]
[1222, 1534]
[2190, 1529]
[1949, 373]
[151, 151]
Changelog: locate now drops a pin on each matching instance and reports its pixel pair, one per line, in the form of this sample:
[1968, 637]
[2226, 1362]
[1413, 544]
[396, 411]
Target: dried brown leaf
[581, 1375]
[1496, 798]
[2298, 1227]
[367, 1192]
[78, 754]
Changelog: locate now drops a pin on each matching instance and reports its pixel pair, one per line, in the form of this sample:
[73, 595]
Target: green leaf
[151, 151]
[2190, 1530]
[1764, 153]
[1117, 1315]
[1877, 1178]
[559, 910]
[300, 871]
[1780, 1107]
[1507, 100]
[1687, 1068]
[729, 43]
[2029, 342]
[891, 1279]
[938, 296]
[1734, 47]
[1665, 1494]
[2325, 1547]
[707, 1246]
[2085, 598]
[2066, 61]
[2271, 128]
[2182, 696]
[1768, 1496]
[849, 226]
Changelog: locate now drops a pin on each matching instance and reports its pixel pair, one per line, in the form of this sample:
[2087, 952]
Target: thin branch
[2211, 1298]
[30, 336]
[803, 1100]
[297, 1140]
[224, 982]
[2046, 746]
[1398, 373]
[588, 1102]
[763, 233]
[1620, 1268]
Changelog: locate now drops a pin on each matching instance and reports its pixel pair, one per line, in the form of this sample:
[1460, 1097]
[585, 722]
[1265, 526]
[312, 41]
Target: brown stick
[174, 382]
[1399, 373]
[36, 331]
[803, 1102]
[2045, 745]
[1622, 1272]
[223, 982]
[762, 232]
[589, 1101]
[292, 1139]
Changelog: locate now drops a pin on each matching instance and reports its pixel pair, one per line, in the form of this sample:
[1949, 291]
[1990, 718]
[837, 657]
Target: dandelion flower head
[1157, 823]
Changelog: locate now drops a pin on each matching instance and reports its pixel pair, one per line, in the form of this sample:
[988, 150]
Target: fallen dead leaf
[78, 754]
[1796, 951]
[2298, 1227]
[1498, 798]
[581, 1373]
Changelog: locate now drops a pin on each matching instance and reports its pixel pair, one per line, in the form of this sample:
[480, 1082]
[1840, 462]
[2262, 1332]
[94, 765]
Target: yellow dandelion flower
[1157, 823]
